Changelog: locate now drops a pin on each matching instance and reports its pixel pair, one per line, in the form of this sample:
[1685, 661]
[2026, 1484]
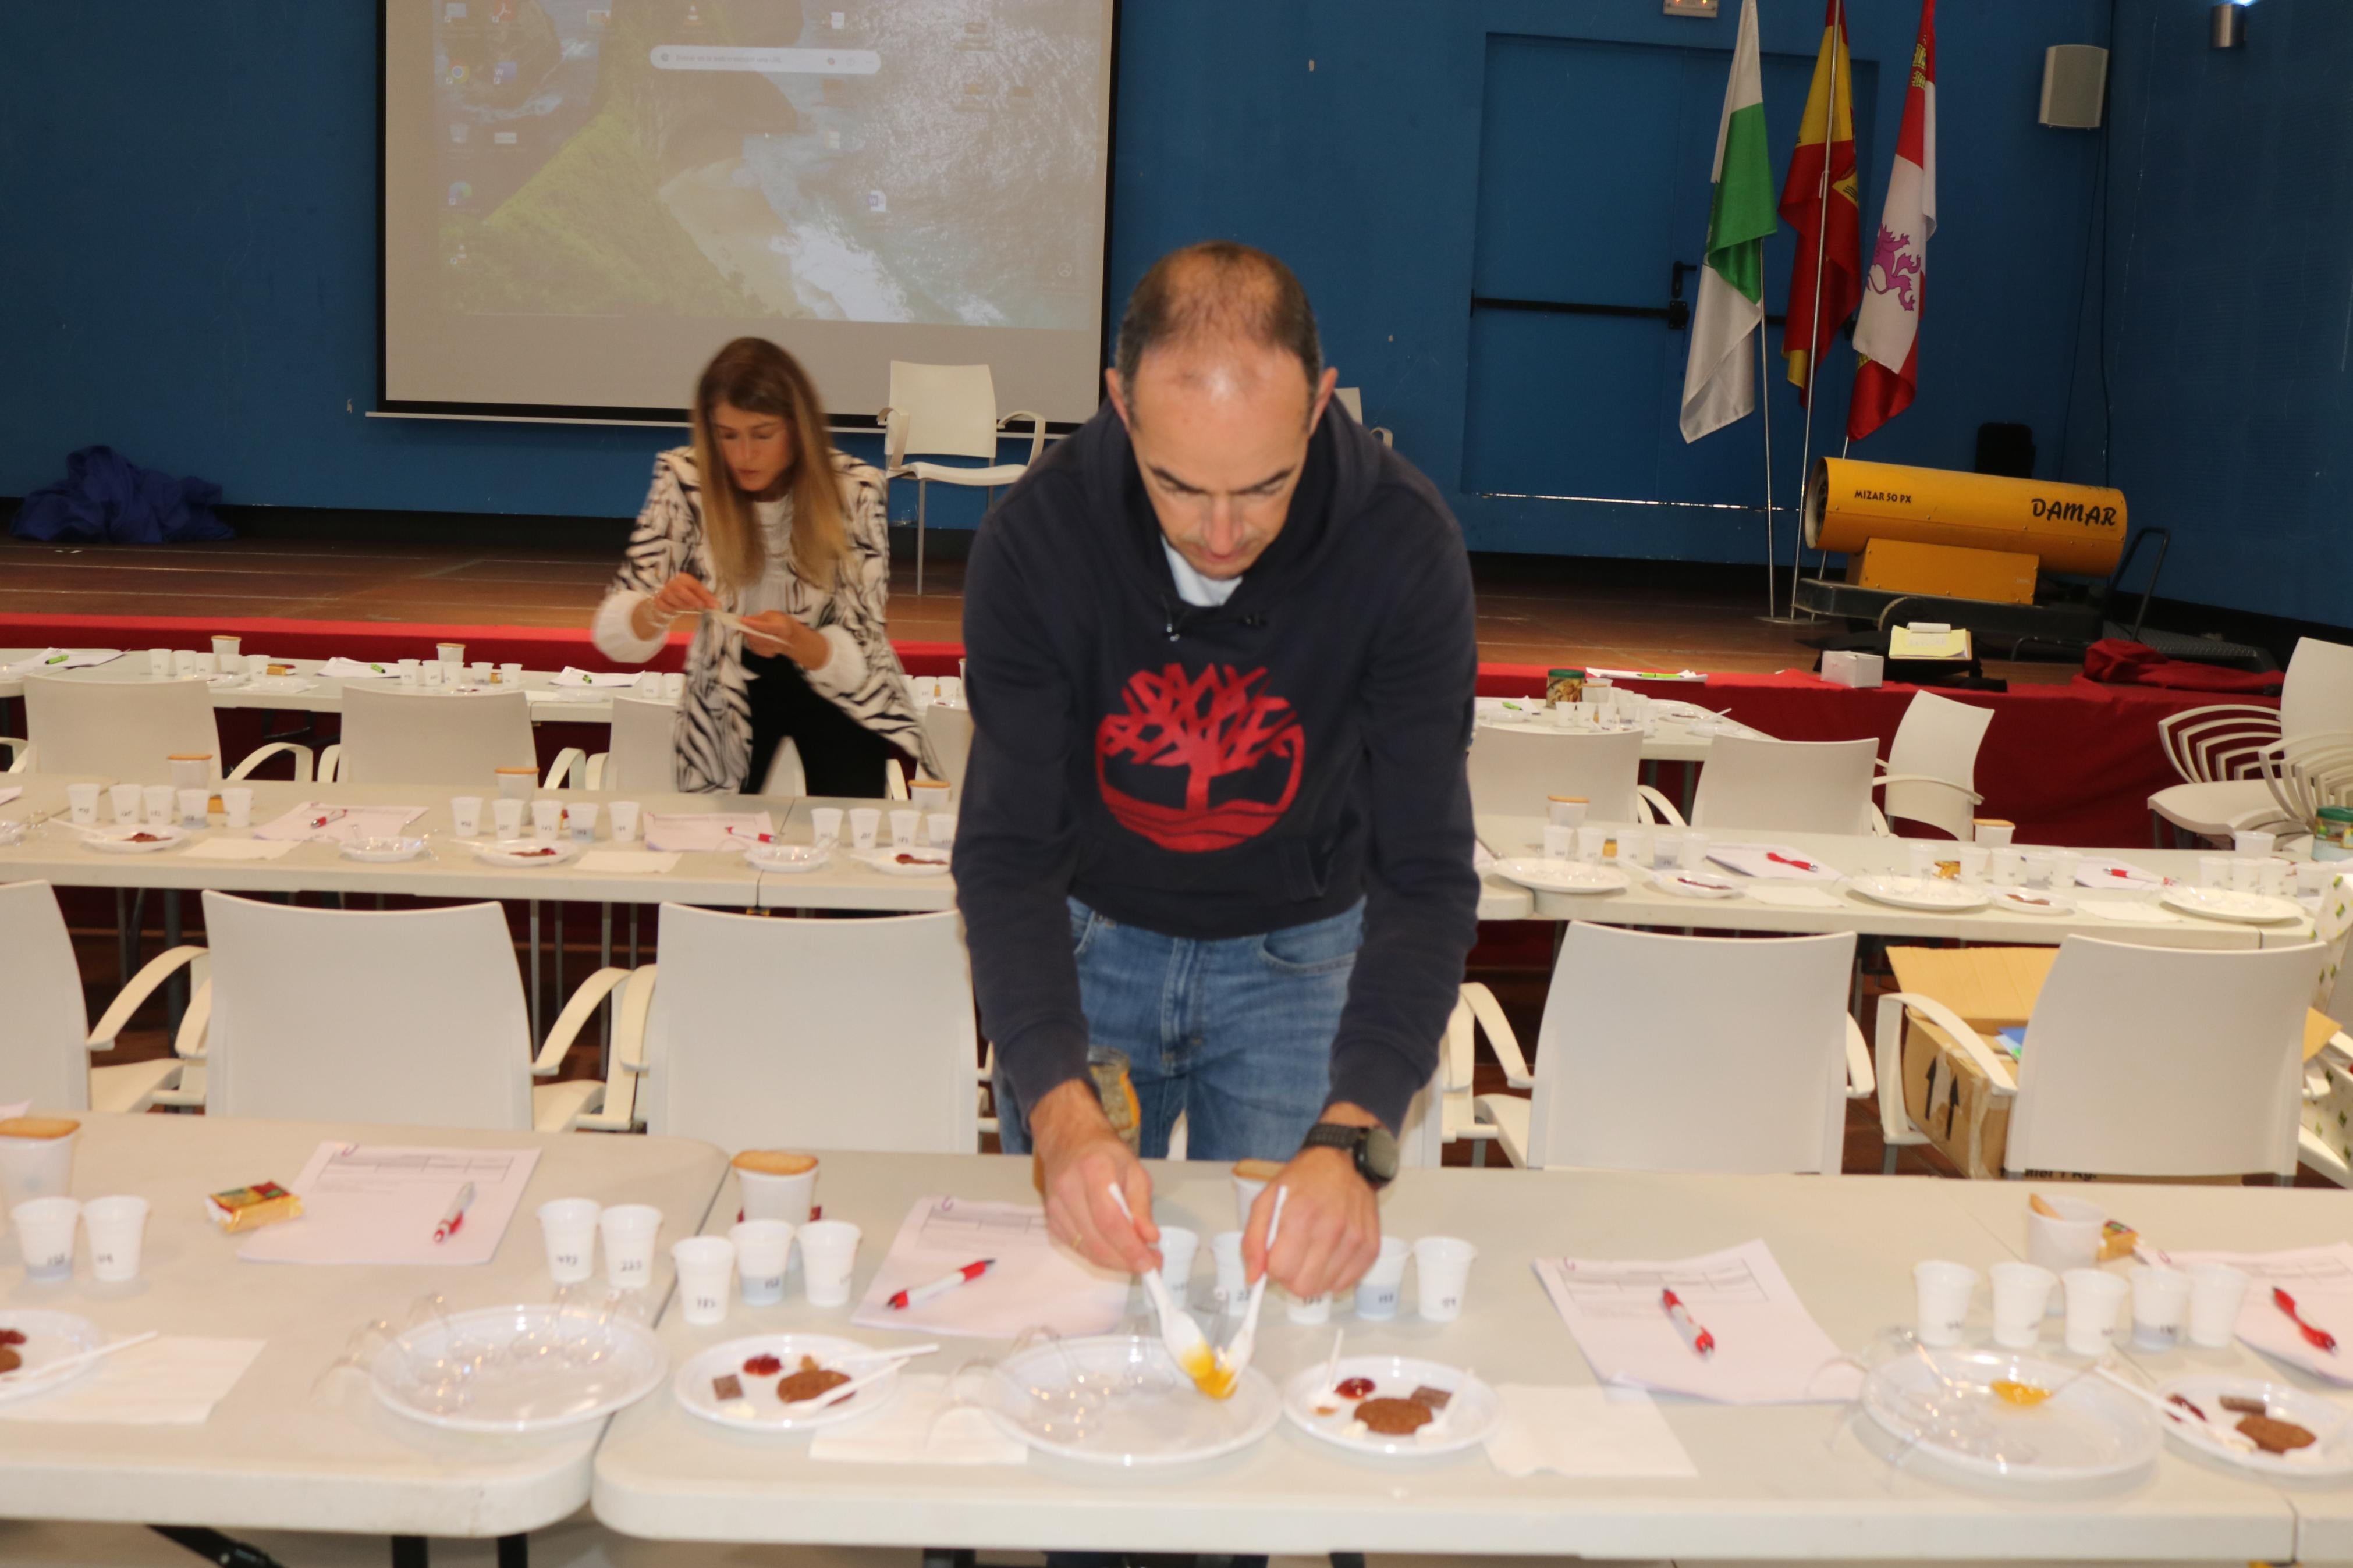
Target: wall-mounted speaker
[2075, 86]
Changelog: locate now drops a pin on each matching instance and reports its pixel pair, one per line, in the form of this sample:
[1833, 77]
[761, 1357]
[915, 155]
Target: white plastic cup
[2216, 1291]
[706, 1273]
[2272, 877]
[2064, 864]
[929, 796]
[1942, 1290]
[257, 665]
[762, 1250]
[2070, 1241]
[623, 815]
[2007, 867]
[2037, 873]
[1694, 851]
[118, 1228]
[1994, 835]
[2094, 1301]
[1232, 1288]
[825, 824]
[1590, 843]
[940, 828]
[225, 652]
[568, 1226]
[237, 805]
[81, 804]
[159, 802]
[903, 824]
[1178, 1246]
[2214, 871]
[428, 673]
[45, 1233]
[1922, 860]
[546, 816]
[35, 1167]
[2021, 1295]
[1975, 858]
[481, 670]
[1312, 1310]
[465, 814]
[581, 818]
[516, 784]
[506, 816]
[2255, 843]
[1559, 842]
[510, 674]
[673, 686]
[125, 797]
[628, 1231]
[769, 1194]
[2244, 875]
[2160, 1300]
[1442, 1268]
[450, 652]
[1246, 1192]
[195, 807]
[864, 821]
[648, 684]
[408, 672]
[159, 663]
[191, 772]
[183, 663]
[1633, 846]
[1567, 810]
[1384, 1283]
[829, 1255]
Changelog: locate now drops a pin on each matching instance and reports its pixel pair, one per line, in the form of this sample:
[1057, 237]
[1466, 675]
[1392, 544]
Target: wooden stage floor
[1541, 610]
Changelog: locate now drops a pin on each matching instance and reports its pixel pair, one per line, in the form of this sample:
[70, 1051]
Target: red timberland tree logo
[1217, 729]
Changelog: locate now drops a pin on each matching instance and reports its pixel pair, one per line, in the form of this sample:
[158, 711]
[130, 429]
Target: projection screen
[583, 199]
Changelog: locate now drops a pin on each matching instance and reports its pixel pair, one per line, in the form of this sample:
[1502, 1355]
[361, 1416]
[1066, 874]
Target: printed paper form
[379, 1203]
[1769, 1348]
[704, 830]
[1035, 1283]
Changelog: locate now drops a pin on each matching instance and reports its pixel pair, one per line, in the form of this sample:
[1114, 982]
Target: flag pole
[1765, 406]
[1814, 322]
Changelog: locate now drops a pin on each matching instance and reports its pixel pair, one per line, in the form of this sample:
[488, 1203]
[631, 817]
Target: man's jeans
[1235, 1034]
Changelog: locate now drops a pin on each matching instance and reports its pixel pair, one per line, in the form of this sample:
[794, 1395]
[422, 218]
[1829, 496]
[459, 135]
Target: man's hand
[773, 631]
[1330, 1223]
[1079, 1160]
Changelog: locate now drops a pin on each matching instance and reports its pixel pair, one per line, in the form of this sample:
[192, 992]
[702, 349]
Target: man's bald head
[1217, 309]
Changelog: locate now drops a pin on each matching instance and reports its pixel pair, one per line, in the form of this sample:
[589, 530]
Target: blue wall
[192, 273]
[2230, 287]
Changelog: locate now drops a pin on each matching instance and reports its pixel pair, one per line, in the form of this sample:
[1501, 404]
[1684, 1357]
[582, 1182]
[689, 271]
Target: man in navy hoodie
[1221, 657]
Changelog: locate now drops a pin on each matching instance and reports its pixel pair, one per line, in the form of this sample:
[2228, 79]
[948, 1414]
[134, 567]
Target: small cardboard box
[1857, 670]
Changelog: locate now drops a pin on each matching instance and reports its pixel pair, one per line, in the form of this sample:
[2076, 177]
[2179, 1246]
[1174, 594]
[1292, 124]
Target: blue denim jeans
[1235, 1034]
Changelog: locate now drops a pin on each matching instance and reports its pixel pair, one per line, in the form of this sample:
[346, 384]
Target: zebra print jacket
[714, 718]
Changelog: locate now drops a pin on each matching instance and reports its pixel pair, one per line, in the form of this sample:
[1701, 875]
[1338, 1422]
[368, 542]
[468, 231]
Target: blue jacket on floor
[107, 499]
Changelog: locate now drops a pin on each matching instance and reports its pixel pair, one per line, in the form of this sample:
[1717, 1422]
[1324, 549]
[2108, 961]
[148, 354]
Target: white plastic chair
[1932, 764]
[644, 748]
[1514, 768]
[409, 1016]
[1352, 399]
[949, 730]
[816, 1034]
[2139, 1062]
[1682, 1053]
[45, 1039]
[2305, 774]
[949, 410]
[392, 736]
[128, 729]
[2214, 748]
[1786, 786]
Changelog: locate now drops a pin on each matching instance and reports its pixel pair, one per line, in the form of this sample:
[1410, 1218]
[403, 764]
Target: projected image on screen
[921, 163]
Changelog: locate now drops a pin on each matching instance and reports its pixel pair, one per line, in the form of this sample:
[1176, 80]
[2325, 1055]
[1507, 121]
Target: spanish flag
[1826, 136]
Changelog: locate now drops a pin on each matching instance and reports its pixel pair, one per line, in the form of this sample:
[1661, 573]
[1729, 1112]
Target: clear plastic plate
[1561, 876]
[522, 1368]
[1942, 1403]
[1119, 1399]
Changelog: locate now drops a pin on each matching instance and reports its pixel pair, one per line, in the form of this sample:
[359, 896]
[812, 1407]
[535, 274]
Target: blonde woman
[762, 519]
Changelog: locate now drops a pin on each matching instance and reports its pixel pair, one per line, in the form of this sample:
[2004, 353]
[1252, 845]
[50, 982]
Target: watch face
[1379, 1155]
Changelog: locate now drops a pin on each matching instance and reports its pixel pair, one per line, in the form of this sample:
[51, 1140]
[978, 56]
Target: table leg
[514, 1551]
[536, 1036]
[214, 1547]
[175, 990]
[605, 1013]
[409, 1551]
[562, 996]
[123, 948]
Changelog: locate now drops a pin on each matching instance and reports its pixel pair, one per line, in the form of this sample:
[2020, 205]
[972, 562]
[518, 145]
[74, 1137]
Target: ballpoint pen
[456, 1216]
[1701, 1342]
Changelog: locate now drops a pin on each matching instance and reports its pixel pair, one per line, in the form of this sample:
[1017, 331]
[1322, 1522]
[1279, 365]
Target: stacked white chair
[45, 1039]
[2216, 749]
[948, 411]
[129, 730]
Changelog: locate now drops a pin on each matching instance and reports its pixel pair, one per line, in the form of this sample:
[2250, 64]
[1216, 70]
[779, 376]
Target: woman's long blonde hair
[756, 375]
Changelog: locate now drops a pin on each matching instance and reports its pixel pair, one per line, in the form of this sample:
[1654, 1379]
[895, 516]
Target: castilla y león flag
[1895, 290]
[1823, 211]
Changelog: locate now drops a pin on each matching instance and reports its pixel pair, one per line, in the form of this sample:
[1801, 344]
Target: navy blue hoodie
[1213, 773]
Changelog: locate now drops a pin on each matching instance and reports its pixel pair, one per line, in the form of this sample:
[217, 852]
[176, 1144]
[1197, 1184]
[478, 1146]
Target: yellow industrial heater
[1947, 535]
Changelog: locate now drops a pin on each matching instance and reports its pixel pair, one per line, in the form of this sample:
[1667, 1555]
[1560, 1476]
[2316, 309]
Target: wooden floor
[1536, 610]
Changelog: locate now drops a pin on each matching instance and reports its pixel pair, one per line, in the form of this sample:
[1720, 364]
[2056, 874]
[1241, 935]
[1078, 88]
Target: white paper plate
[1698, 885]
[1562, 876]
[1118, 1399]
[526, 852]
[124, 840]
[928, 862]
[1472, 1412]
[760, 1409]
[794, 858]
[2087, 1431]
[48, 1337]
[383, 851]
[2227, 904]
[596, 1365]
[2323, 1418]
[2039, 901]
[1919, 893]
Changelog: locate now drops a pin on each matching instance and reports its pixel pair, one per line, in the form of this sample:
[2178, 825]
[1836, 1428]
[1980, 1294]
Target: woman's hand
[773, 631]
[681, 596]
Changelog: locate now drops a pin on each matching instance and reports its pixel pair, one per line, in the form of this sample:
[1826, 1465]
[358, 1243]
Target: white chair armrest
[330, 764]
[1860, 1083]
[1879, 828]
[1500, 1037]
[566, 771]
[619, 1111]
[1988, 1061]
[1660, 807]
[1387, 436]
[1037, 429]
[575, 1015]
[894, 779]
[2312, 1153]
[894, 437]
[597, 761]
[190, 1044]
[1458, 1052]
[20, 754]
[260, 755]
[1973, 797]
[134, 995]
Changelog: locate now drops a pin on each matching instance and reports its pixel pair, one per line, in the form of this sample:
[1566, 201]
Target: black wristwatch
[1372, 1148]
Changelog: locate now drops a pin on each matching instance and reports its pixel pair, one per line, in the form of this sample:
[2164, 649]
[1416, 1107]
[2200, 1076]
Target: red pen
[1701, 1342]
[1779, 860]
[2317, 1338]
[457, 1214]
[760, 837]
[904, 1300]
